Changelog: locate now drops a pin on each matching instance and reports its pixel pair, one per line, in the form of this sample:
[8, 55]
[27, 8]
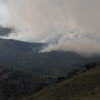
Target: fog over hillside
[73, 24]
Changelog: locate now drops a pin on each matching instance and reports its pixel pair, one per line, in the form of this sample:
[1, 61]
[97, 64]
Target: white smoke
[73, 24]
[3, 14]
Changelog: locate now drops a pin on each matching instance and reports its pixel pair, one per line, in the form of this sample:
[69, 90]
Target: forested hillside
[15, 84]
[26, 57]
[85, 85]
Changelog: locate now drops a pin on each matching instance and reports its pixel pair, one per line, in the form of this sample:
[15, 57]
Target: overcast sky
[74, 24]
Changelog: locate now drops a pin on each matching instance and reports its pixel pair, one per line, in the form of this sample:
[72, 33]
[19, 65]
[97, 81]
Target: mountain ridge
[26, 57]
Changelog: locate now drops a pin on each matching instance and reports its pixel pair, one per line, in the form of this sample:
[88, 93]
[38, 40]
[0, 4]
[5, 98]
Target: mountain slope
[5, 31]
[26, 57]
[14, 84]
[85, 86]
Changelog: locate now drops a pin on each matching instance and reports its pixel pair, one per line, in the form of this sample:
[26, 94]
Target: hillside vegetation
[26, 57]
[14, 84]
[84, 86]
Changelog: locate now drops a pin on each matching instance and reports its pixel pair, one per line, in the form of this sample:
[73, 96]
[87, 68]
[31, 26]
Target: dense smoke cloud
[70, 24]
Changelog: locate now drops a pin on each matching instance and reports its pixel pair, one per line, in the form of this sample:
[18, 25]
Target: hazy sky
[74, 24]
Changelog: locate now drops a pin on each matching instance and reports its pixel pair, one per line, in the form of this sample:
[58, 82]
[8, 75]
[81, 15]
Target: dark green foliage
[84, 86]
[90, 65]
[15, 84]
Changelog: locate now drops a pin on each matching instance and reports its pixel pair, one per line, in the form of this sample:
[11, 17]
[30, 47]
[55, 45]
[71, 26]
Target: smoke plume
[68, 24]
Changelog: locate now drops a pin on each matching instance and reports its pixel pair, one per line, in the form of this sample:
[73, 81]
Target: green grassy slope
[85, 86]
